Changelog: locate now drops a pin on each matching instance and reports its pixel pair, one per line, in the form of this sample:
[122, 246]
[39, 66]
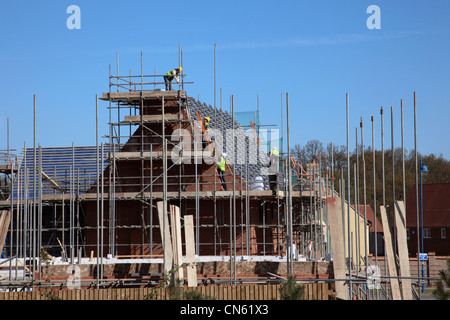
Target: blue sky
[317, 51]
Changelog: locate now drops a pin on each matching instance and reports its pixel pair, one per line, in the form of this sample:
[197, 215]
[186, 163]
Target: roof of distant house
[370, 218]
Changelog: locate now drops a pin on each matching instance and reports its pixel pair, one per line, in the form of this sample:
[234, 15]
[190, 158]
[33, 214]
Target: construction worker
[221, 170]
[207, 124]
[172, 74]
[273, 168]
[274, 152]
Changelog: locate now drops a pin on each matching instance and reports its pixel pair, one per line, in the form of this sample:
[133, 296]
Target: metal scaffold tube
[349, 237]
[375, 201]
[289, 193]
[97, 187]
[366, 241]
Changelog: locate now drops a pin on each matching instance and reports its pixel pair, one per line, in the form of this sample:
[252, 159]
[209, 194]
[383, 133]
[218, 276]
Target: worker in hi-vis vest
[207, 123]
[221, 170]
[208, 138]
[172, 74]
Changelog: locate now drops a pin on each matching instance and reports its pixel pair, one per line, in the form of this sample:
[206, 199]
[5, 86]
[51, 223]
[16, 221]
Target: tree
[440, 293]
[291, 290]
[438, 170]
[308, 153]
[339, 155]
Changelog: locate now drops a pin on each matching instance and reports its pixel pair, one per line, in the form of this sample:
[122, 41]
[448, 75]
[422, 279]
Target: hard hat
[274, 148]
[224, 155]
[208, 119]
[181, 69]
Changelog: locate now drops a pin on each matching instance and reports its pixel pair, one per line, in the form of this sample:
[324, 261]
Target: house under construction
[151, 193]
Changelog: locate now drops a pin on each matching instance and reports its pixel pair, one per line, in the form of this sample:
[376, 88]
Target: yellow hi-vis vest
[221, 164]
[275, 153]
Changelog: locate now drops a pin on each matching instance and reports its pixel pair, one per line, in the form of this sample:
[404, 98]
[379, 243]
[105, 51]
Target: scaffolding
[135, 109]
[77, 202]
[102, 201]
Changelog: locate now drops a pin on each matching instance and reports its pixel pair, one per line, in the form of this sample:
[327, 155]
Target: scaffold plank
[131, 196]
[151, 118]
[400, 223]
[395, 288]
[337, 245]
[190, 250]
[165, 232]
[5, 221]
[175, 225]
[137, 95]
[137, 155]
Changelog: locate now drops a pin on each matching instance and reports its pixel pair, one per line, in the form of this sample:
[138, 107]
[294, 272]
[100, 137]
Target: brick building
[436, 219]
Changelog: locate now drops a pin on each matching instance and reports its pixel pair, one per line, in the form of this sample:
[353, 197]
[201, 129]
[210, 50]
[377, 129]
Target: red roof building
[436, 219]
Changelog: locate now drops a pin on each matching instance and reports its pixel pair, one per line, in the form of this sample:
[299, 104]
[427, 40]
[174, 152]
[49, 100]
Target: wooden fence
[313, 291]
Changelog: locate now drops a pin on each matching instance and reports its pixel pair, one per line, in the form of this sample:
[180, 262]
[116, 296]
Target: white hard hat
[224, 154]
[275, 148]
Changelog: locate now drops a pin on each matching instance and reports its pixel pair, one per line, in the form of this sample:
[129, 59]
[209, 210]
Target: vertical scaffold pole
[417, 187]
[348, 208]
[97, 188]
[215, 157]
[39, 209]
[357, 233]
[289, 188]
[403, 156]
[382, 168]
[164, 179]
[393, 179]
[234, 191]
[34, 175]
[366, 241]
[375, 199]
[102, 212]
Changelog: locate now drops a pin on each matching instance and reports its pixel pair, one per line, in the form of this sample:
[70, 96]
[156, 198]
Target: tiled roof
[222, 120]
[370, 218]
[57, 164]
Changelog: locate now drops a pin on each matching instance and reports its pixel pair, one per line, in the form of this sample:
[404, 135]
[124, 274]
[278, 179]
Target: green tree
[438, 170]
[291, 290]
[440, 292]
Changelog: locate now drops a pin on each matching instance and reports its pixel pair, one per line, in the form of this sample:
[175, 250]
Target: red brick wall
[129, 214]
[434, 244]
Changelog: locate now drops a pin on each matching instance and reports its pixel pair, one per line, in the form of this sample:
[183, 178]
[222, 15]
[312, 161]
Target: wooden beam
[137, 95]
[51, 181]
[131, 196]
[176, 240]
[151, 118]
[165, 236]
[136, 256]
[190, 250]
[136, 155]
[337, 245]
[5, 220]
[400, 222]
[395, 288]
